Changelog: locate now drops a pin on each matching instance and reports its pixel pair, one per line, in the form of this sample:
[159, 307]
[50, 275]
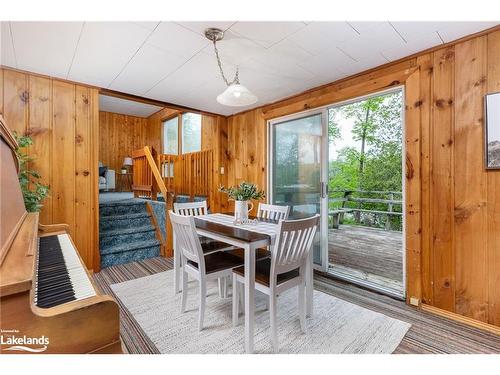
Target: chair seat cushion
[263, 270]
[219, 261]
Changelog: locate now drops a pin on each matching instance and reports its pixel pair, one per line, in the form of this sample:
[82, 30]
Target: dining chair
[273, 212]
[198, 265]
[284, 270]
[208, 245]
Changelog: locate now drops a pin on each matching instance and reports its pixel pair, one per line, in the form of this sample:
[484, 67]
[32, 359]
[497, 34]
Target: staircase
[126, 233]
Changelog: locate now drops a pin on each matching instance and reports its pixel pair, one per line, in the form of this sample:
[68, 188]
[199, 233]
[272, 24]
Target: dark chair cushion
[263, 270]
[102, 171]
[221, 260]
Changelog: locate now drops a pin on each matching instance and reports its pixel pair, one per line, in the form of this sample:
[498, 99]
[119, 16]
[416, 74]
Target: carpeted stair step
[130, 206]
[126, 235]
[131, 252]
[114, 222]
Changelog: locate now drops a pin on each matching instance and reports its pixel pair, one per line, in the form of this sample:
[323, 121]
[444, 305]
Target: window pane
[191, 132]
[171, 136]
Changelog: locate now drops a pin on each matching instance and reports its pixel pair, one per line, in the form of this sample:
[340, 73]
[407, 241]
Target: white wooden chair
[208, 245]
[196, 264]
[273, 212]
[284, 270]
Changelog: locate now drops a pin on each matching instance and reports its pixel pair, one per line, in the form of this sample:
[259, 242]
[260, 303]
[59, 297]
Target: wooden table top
[232, 232]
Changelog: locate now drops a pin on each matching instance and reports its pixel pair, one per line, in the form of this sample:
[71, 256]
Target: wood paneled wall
[119, 135]
[62, 119]
[452, 202]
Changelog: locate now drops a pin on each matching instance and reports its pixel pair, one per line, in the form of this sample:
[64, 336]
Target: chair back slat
[293, 243]
[273, 212]
[191, 208]
[187, 241]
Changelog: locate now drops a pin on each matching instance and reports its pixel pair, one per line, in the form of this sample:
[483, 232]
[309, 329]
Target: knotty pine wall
[119, 135]
[63, 119]
[452, 202]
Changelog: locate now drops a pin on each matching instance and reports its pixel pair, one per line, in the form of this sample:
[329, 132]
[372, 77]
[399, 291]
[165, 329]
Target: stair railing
[147, 181]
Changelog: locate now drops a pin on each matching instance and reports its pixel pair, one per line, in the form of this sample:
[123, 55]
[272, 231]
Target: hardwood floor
[429, 333]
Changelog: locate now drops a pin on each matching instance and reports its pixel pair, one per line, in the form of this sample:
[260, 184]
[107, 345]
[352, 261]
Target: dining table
[251, 235]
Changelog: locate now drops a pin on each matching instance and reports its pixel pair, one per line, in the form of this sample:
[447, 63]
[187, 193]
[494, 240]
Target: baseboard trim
[462, 319]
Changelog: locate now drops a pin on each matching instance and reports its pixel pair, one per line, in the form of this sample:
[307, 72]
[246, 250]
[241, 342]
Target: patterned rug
[337, 326]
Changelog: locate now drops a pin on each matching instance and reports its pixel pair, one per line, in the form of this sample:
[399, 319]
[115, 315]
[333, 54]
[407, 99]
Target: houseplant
[34, 192]
[242, 194]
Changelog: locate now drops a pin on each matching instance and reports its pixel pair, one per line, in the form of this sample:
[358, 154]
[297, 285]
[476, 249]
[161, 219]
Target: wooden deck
[374, 256]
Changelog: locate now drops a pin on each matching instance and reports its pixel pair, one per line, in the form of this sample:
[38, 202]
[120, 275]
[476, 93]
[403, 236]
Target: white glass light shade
[127, 161]
[236, 95]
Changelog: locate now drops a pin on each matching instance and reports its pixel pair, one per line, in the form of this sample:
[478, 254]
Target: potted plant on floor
[242, 196]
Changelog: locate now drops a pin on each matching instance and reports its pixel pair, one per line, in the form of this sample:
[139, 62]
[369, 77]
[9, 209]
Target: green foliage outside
[34, 192]
[373, 165]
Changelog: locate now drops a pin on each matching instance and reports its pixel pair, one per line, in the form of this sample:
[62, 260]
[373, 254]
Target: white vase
[241, 209]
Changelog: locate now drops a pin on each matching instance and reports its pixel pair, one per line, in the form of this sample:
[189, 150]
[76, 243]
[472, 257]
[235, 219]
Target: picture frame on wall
[492, 130]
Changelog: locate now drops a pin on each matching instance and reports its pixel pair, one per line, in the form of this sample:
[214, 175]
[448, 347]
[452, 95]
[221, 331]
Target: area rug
[336, 327]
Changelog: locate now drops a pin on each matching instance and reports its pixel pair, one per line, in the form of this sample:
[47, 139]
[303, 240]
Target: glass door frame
[323, 111]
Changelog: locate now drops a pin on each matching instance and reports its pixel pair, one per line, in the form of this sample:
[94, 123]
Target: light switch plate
[221, 170]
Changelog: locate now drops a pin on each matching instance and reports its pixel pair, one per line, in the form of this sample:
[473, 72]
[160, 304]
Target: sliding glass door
[297, 177]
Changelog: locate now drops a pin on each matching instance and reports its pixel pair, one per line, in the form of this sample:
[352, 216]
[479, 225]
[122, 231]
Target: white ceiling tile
[174, 38]
[415, 30]
[104, 50]
[328, 63]
[320, 36]
[45, 47]
[414, 45]
[235, 49]
[267, 33]
[362, 27]
[147, 67]
[126, 107]
[378, 38]
[7, 51]
[200, 27]
[455, 30]
[148, 24]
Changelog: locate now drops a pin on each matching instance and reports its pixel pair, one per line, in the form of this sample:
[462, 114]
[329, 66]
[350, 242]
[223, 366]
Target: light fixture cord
[236, 77]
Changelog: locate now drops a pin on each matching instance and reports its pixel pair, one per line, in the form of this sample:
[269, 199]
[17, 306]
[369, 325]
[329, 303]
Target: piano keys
[45, 289]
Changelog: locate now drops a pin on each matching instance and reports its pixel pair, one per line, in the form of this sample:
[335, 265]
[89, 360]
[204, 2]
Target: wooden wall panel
[63, 159]
[40, 129]
[442, 179]
[470, 188]
[62, 118]
[119, 136]
[153, 134]
[493, 195]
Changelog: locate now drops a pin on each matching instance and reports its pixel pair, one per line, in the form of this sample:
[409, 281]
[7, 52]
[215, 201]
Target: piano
[48, 300]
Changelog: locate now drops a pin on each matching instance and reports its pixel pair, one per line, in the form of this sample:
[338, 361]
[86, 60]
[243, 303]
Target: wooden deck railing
[390, 199]
[188, 174]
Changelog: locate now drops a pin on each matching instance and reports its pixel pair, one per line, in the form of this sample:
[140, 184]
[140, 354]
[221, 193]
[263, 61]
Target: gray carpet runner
[126, 233]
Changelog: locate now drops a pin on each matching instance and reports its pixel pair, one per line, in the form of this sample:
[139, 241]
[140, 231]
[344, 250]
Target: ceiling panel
[199, 27]
[45, 47]
[7, 50]
[126, 107]
[104, 50]
[174, 62]
[317, 37]
[174, 38]
[147, 67]
[267, 33]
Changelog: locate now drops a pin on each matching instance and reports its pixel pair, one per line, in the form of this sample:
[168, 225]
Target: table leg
[177, 268]
[249, 297]
[309, 284]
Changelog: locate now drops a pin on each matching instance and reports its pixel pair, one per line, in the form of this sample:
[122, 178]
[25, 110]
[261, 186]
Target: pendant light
[235, 95]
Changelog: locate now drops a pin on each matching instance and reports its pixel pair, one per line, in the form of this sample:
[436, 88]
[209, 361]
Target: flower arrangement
[34, 192]
[243, 192]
